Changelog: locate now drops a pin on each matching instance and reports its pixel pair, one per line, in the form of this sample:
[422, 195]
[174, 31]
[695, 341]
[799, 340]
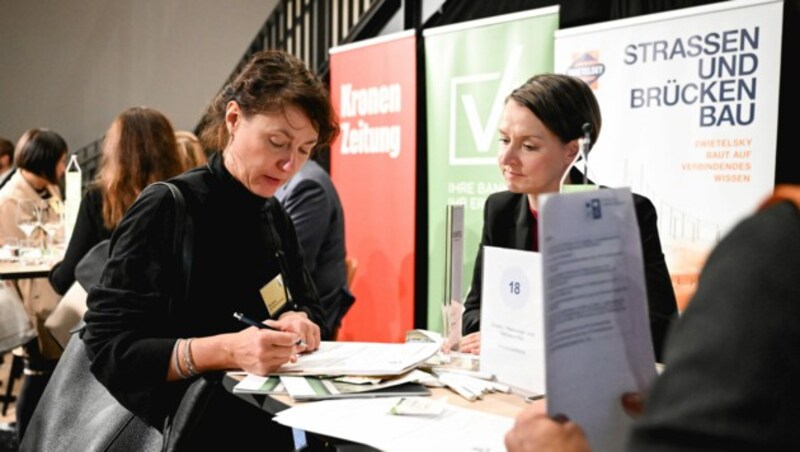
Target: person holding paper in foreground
[539, 140]
[730, 381]
[267, 122]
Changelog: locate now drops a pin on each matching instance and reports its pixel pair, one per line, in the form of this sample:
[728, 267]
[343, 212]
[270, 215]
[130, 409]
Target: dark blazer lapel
[576, 177]
[524, 225]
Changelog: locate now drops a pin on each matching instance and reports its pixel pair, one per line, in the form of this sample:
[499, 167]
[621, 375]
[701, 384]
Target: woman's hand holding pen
[298, 323]
[261, 351]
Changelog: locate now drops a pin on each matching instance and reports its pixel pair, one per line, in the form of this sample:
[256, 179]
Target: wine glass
[29, 216]
[53, 224]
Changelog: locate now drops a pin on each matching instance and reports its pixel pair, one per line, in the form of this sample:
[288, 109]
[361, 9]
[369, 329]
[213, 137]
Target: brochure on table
[512, 328]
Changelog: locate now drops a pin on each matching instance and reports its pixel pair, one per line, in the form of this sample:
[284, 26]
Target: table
[502, 404]
[15, 270]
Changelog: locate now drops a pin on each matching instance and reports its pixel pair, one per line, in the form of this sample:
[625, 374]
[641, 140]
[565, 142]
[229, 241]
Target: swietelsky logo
[587, 67]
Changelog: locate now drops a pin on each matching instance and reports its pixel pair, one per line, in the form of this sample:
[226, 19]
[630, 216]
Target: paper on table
[512, 329]
[361, 358]
[254, 384]
[368, 421]
[302, 388]
[597, 328]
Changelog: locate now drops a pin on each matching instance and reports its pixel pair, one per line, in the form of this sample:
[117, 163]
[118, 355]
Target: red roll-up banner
[373, 166]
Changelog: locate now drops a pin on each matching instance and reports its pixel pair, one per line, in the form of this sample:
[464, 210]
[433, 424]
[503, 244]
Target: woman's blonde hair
[190, 147]
[139, 149]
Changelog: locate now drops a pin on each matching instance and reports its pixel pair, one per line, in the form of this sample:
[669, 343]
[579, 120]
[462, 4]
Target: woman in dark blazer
[539, 140]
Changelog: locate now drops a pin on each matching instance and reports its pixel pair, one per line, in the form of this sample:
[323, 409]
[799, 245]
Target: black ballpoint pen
[248, 321]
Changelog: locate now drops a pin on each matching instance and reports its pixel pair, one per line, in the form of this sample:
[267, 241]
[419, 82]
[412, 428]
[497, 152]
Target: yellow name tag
[274, 295]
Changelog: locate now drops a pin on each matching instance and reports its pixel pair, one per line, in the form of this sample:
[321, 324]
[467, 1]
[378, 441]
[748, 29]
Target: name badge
[274, 295]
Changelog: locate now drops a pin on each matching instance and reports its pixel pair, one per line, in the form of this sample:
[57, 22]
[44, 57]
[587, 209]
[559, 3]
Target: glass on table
[30, 252]
[29, 215]
[53, 223]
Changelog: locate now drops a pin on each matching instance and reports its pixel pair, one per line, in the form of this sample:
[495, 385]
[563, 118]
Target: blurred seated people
[539, 131]
[28, 198]
[311, 201]
[191, 149]
[731, 371]
[266, 122]
[139, 149]
[6, 160]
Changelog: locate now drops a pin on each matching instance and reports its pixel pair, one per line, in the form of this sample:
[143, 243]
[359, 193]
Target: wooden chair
[352, 266]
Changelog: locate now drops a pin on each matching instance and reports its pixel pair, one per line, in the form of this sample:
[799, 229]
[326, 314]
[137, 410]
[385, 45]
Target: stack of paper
[361, 358]
[369, 370]
[254, 384]
[316, 388]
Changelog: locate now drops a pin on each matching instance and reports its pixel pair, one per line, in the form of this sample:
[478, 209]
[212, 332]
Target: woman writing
[139, 149]
[267, 122]
[539, 131]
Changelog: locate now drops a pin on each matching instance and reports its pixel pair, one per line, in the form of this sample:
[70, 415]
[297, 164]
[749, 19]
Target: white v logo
[480, 133]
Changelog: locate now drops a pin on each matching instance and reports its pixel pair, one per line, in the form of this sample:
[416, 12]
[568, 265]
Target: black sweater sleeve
[127, 333]
[471, 319]
[89, 230]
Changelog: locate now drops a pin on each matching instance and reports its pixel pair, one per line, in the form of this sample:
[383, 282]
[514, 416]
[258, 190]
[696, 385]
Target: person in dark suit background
[539, 140]
[312, 202]
[730, 380]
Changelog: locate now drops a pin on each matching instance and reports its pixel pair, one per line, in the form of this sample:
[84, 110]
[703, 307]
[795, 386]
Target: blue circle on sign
[515, 288]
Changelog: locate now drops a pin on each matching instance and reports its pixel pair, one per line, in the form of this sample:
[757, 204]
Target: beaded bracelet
[187, 358]
[176, 362]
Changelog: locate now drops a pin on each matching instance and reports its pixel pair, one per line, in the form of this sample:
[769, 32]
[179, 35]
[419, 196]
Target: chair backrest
[352, 265]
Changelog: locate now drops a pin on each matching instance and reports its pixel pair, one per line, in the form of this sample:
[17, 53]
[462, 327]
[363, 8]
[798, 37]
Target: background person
[41, 158]
[730, 380]
[267, 121]
[316, 211]
[539, 131]
[139, 149]
[191, 149]
[6, 160]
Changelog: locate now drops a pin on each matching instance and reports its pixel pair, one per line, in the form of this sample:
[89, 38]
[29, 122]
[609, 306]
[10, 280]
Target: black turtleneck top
[130, 332]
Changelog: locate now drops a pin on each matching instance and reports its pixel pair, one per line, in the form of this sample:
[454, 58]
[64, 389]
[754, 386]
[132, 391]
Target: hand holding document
[597, 330]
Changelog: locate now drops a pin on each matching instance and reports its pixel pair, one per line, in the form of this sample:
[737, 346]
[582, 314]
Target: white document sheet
[598, 332]
[512, 328]
[369, 422]
[361, 358]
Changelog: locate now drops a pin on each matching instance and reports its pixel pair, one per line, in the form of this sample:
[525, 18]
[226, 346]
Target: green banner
[470, 69]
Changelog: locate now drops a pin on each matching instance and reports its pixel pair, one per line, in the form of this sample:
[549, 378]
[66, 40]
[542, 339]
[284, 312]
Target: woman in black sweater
[267, 122]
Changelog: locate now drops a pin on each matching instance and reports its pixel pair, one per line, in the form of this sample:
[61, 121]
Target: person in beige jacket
[41, 161]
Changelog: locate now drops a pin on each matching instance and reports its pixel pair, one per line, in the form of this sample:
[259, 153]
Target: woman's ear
[233, 115]
[572, 151]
